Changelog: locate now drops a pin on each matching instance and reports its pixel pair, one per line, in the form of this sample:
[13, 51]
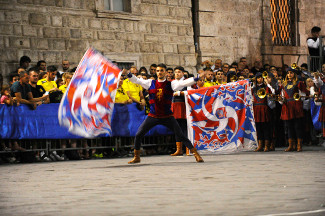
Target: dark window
[284, 22]
[117, 5]
[125, 65]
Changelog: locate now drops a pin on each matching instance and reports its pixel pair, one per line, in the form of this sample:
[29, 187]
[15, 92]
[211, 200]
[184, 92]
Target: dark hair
[315, 29]
[40, 75]
[51, 68]
[4, 88]
[179, 68]
[162, 65]
[73, 70]
[153, 65]
[24, 59]
[242, 58]
[234, 63]
[304, 65]
[169, 69]
[143, 69]
[40, 62]
[35, 69]
[22, 74]
[58, 81]
[12, 75]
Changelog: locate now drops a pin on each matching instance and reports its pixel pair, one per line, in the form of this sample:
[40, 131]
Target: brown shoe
[290, 148]
[136, 158]
[179, 149]
[196, 155]
[260, 146]
[188, 152]
[299, 145]
[267, 146]
[272, 148]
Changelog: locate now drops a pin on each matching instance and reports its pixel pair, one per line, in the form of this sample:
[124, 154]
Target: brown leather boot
[196, 155]
[260, 146]
[136, 158]
[272, 148]
[179, 149]
[299, 145]
[267, 146]
[290, 148]
[188, 152]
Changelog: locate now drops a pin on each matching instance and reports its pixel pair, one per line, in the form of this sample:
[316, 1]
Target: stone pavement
[273, 183]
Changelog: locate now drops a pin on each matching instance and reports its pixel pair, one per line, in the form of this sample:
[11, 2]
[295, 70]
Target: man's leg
[146, 125]
[172, 124]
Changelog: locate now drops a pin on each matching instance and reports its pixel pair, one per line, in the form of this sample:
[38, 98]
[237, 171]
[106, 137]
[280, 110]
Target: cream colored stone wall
[156, 31]
[236, 28]
[230, 29]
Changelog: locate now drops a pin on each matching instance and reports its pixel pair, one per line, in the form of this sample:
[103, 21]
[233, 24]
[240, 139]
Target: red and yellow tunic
[261, 109]
[291, 108]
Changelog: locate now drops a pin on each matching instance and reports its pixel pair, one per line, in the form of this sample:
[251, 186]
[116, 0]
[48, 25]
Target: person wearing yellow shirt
[121, 96]
[220, 78]
[48, 83]
[209, 79]
[66, 78]
[134, 91]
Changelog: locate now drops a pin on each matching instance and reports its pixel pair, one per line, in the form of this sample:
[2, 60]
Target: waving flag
[220, 118]
[87, 106]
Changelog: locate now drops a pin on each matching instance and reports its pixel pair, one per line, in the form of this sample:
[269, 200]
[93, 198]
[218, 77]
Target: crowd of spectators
[42, 84]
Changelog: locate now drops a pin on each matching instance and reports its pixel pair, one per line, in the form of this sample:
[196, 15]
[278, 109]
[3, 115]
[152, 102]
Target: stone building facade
[176, 32]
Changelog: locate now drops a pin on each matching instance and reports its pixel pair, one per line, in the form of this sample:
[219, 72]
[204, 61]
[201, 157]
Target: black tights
[169, 122]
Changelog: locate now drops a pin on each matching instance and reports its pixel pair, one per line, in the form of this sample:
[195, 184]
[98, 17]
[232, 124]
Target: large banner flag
[87, 105]
[221, 118]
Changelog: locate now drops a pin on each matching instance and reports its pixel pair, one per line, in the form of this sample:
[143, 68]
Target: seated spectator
[24, 62]
[209, 79]
[41, 65]
[66, 79]
[37, 90]
[5, 96]
[49, 83]
[121, 96]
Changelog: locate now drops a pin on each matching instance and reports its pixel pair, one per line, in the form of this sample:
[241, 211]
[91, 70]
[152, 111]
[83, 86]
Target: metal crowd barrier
[114, 143]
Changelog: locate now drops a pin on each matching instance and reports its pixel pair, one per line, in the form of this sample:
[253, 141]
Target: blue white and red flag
[221, 118]
[87, 106]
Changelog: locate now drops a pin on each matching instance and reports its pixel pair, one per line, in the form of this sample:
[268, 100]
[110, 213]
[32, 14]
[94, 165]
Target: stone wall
[230, 29]
[310, 13]
[155, 31]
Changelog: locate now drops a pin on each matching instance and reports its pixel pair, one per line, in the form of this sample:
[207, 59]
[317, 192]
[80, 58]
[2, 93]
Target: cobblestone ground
[273, 183]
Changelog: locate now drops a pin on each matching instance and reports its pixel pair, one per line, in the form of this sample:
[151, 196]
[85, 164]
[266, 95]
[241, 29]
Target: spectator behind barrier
[134, 91]
[37, 90]
[66, 79]
[21, 90]
[5, 96]
[121, 96]
[24, 62]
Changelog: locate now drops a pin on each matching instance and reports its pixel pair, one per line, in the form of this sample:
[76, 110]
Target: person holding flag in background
[160, 99]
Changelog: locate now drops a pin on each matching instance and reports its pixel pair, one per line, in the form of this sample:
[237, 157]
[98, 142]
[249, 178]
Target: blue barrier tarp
[24, 123]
